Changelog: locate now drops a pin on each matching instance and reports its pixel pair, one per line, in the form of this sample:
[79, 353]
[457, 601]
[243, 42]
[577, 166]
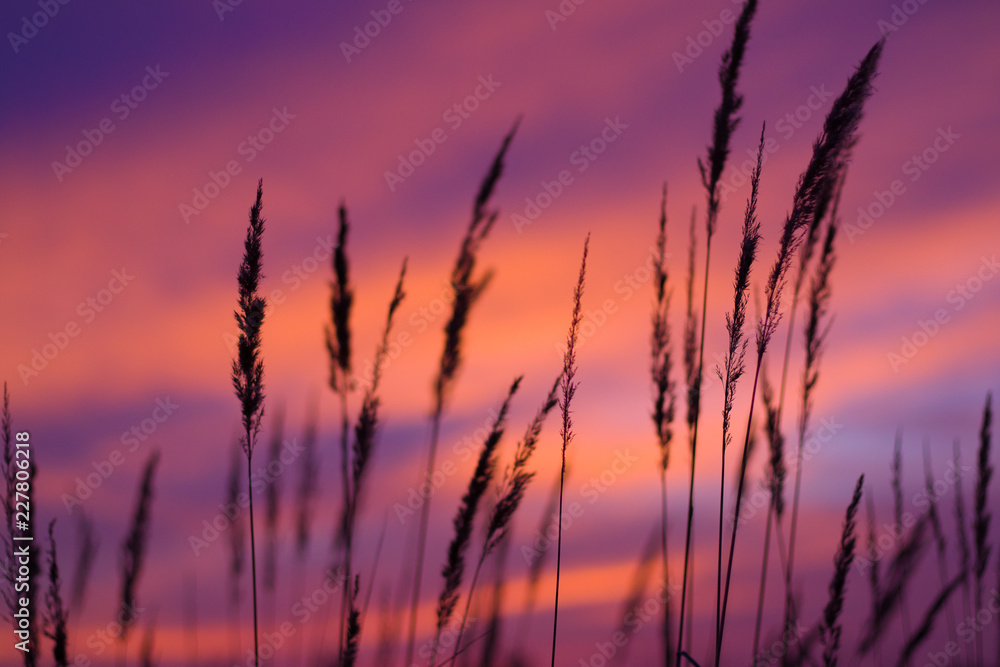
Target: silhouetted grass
[568, 387]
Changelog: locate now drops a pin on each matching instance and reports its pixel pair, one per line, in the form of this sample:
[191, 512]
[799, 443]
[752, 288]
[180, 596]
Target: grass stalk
[248, 368]
[468, 289]
[568, 386]
[664, 399]
[730, 375]
[725, 121]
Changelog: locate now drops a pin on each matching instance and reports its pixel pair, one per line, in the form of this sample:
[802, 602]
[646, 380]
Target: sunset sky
[132, 137]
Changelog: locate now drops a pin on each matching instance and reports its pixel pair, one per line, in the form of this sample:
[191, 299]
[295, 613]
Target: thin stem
[694, 448]
[798, 462]
[736, 518]
[791, 536]
[763, 582]
[718, 571]
[468, 603]
[666, 571]
[346, 482]
[422, 535]
[555, 615]
[253, 555]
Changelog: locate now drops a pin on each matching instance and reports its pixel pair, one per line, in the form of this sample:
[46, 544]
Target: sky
[132, 139]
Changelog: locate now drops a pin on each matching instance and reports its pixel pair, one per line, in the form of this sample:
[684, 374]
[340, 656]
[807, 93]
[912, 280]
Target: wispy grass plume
[961, 527]
[468, 288]
[937, 530]
[248, 366]
[306, 494]
[364, 440]
[338, 346]
[86, 551]
[133, 550]
[982, 517]
[838, 585]
[873, 560]
[56, 616]
[897, 505]
[353, 640]
[927, 624]
[510, 492]
[454, 566]
[568, 386]
[724, 123]
[733, 370]
[830, 152]
[664, 395]
[898, 576]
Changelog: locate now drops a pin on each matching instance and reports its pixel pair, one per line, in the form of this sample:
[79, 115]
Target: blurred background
[134, 134]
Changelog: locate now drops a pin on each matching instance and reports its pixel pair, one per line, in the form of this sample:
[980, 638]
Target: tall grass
[56, 617]
[568, 387]
[454, 567]
[338, 346]
[248, 368]
[735, 366]
[830, 152]
[664, 397]
[133, 552]
[725, 121]
[838, 585]
[510, 493]
[981, 515]
[468, 288]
